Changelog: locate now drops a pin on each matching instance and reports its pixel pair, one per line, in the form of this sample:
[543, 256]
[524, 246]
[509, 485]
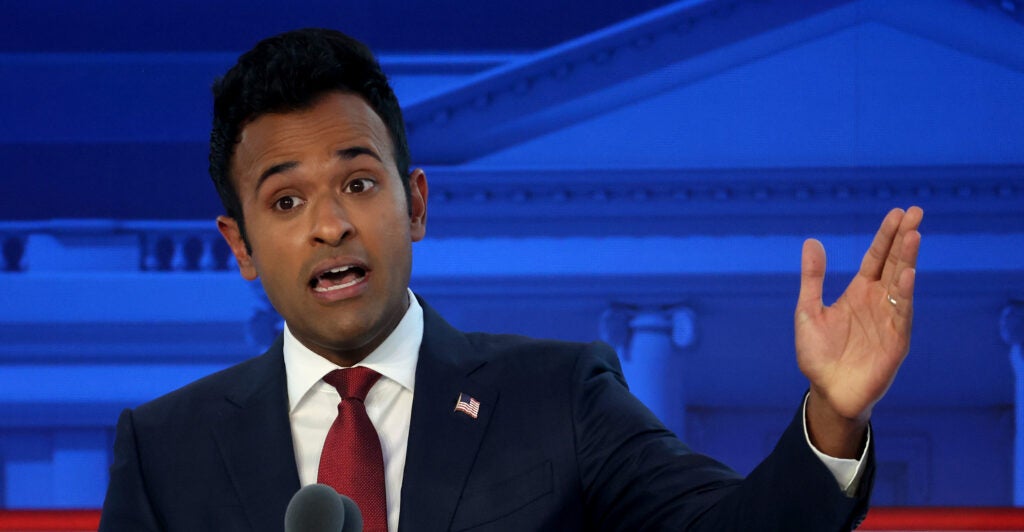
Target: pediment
[748, 85]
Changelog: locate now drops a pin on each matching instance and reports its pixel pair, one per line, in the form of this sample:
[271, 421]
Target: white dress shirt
[313, 406]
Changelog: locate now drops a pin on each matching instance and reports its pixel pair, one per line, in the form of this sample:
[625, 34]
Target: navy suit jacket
[559, 444]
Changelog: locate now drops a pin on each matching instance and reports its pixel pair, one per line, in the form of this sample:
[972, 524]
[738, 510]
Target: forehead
[335, 120]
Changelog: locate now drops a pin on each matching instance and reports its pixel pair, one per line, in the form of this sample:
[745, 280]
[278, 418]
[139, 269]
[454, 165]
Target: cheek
[395, 237]
[389, 223]
[275, 254]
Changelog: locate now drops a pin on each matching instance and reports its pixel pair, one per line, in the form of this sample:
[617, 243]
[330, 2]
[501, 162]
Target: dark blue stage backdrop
[639, 172]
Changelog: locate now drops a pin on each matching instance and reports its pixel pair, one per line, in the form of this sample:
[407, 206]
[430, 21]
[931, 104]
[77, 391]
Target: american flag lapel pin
[467, 405]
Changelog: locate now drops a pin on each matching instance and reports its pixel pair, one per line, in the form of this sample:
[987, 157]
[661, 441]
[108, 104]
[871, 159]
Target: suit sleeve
[638, 476]
[127, 505]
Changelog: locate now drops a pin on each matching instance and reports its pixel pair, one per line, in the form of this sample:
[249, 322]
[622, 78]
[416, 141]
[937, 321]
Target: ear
[228, 228]
[418, 204]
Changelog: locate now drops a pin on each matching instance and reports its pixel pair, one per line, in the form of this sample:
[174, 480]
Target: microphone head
[317, 508]
[353, 516]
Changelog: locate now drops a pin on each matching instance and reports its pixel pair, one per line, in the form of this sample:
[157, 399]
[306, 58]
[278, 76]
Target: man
[476, 431]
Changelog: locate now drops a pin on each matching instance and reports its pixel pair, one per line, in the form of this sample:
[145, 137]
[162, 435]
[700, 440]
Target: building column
[265, 324]
[1011, 326]
[648, 340]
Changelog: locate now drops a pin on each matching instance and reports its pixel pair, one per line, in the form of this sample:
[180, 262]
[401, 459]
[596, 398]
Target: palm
[850, 351]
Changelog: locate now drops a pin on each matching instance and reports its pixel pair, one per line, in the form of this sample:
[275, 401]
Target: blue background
[589, 162]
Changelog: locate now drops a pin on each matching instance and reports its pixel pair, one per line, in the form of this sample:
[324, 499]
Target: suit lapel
[442, 443]
[255, 440]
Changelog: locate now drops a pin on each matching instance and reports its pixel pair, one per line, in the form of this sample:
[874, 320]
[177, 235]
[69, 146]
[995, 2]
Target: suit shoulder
[208, 392]
[541, 352]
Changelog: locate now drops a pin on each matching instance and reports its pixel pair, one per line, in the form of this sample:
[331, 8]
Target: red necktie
[352, 462]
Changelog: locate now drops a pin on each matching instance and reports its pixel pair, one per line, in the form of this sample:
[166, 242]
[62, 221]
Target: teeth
[337, 286]
[338, 270]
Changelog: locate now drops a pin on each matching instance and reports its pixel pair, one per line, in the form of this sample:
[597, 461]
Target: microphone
[318, 508]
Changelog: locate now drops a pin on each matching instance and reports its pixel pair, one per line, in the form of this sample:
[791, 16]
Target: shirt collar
[394, 359]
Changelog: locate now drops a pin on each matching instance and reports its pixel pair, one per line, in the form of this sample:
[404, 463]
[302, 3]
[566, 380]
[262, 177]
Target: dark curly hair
[290, 72]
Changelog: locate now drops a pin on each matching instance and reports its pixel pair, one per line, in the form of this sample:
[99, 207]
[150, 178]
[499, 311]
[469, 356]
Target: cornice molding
[487, 203]
[434, 64]
[522, 202]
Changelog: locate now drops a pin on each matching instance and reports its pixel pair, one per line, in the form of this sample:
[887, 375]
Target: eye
[288, 203]
[360, 185]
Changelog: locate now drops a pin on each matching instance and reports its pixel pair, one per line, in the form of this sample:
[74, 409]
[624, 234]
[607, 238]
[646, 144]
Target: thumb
[812, 279]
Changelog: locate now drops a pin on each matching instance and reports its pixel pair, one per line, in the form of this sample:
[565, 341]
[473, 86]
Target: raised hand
[850, 351]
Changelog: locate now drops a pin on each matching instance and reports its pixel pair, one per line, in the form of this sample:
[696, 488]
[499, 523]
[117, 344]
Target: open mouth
[337, 278]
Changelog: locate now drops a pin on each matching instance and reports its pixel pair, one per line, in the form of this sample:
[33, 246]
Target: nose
[330, 223]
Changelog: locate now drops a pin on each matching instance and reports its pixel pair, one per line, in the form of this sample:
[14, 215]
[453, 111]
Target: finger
[812, 279]
[905, 287]
[904, 295]
[900, 255]
[902, 285]
[871, 266]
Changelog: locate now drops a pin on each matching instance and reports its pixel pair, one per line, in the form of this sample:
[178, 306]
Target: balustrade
[156, 246]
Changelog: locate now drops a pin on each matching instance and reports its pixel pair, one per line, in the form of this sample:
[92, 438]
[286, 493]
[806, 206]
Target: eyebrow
[345, 154]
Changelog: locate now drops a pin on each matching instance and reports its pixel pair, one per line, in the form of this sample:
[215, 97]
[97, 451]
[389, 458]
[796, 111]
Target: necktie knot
[352, 383]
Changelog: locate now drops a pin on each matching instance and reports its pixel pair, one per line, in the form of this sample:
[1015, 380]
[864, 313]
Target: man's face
[326, 216]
